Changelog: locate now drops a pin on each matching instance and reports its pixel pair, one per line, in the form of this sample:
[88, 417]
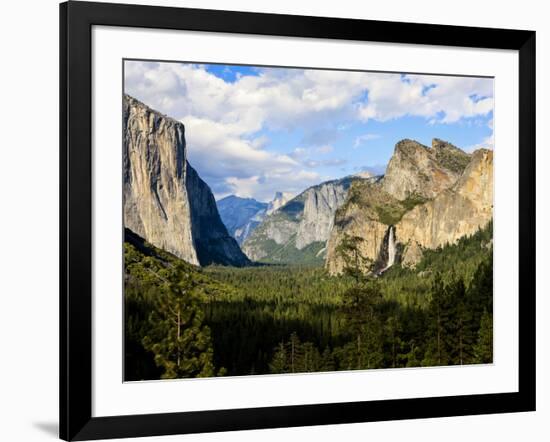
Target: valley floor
[284, 319]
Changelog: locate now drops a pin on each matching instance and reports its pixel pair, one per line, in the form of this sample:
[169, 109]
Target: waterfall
[391, 247]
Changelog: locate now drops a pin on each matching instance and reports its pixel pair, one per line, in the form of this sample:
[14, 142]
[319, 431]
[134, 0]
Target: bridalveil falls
[391, 247]
[388, 251]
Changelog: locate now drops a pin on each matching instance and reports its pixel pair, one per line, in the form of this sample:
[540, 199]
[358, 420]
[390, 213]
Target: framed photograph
[272, 221]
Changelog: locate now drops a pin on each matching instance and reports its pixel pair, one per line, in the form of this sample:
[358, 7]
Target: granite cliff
[165, 200]
[458, 211]
[427, 198]
[297, 231]
[278, 201]
[415, 169]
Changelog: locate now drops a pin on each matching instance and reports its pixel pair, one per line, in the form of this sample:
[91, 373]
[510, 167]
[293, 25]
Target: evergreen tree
[296, 357]
[284, 319]
[438, 316]
[279, 362]
[413, 358]
[179, 340]
[356, 264]
[480, 291]
[359, 305]
[327, 361]
[394, 343]
[460, 326]
[483, 350]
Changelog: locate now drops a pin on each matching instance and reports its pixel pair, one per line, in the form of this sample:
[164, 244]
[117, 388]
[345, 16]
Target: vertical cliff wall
[165, 200]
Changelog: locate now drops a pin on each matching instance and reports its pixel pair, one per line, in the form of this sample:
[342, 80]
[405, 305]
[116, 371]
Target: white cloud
[438, 98]
[220, 150]
[287, 97]
[486, 143]
[362, 139]
[299, 152]
[319, 163]
[243, 187]
[225, 121]
[263, 188]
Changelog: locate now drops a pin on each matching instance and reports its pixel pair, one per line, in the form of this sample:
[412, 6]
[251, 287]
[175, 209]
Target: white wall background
[29, 219]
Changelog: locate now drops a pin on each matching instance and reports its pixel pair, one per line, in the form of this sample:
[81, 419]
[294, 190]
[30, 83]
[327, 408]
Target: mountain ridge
[303, 222]
[241, 215]
[429, 197]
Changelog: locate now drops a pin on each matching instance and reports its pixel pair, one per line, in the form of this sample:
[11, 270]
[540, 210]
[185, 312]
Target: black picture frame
[76, 21]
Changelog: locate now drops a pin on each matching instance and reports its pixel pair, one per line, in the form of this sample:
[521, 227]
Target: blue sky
[252, 131]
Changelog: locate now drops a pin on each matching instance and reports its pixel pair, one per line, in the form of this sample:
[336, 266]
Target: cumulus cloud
[226, 122]
[221, 148]
[438, 98]
[362, 139]
[486, 143]
[263, 188]
[317, 163]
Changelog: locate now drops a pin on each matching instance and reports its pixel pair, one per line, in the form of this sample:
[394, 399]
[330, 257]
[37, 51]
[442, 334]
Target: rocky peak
[278, 201]
[299, 229]
[476, 182]
[431, 197]
[441, 144]
[416, 170]
[455, 212]
[320, 205]
[450, 156]
[165, 200]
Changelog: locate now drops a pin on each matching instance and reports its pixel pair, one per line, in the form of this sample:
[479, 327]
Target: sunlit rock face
[455, 212]
[415, 169]
[299, 229]
[432, 197]
[165, 200]
[280, 199]
[359, 217]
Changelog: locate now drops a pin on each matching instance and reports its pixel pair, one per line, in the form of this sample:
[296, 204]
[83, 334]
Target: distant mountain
[165, 200]
[241, 215]
[297, 232]
[280, 199]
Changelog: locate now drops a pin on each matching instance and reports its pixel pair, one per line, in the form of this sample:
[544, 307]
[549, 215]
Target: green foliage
[452, 158]
[288, 253]
[296, 357]
[177, 336]
[356, 265]
[390, 214]
[412, 201]
[483, 350]
[291, 318]
[361, 312]
[378, 204]
[165, 332]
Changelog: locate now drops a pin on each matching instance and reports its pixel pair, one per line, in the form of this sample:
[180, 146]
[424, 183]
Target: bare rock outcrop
[455, 212]
[298, 230]
[165, 200]
[429, 196]
[417, 170]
